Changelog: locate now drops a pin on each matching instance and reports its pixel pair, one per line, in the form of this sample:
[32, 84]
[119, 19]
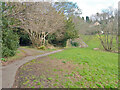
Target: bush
[42, 47]
[61, 42]
[10, 43]
[75, 44]
[10, 40]
[3, 59]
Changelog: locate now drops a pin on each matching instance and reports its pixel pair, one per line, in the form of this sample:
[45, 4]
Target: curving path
[9, 71]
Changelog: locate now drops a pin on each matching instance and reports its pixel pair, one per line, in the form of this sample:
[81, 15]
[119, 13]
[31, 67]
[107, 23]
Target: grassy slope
[73, 68]
[99, 68]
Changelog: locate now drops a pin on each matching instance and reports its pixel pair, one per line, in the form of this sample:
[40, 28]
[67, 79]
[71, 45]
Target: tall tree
[40, 19]
[87, 19]
[71, 31]
[68, 8]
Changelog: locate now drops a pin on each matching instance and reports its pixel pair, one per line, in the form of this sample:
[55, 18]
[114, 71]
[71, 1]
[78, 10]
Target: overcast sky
[90, 7]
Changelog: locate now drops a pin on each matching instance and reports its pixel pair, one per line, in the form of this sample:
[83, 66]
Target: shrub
[10, 43]
[63, 61]
[10, 40]
[75, 44]
[3, 59]
[42, 47]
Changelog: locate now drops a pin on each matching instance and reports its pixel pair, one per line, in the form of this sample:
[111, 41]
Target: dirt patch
[45, 73]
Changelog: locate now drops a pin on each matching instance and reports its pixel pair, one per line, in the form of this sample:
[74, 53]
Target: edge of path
[9, 71]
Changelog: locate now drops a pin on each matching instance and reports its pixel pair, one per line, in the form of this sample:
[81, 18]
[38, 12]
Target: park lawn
[73, 68]
[93, 42]
[98, 68]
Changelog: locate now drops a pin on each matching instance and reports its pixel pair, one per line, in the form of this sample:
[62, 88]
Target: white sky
[90, 7]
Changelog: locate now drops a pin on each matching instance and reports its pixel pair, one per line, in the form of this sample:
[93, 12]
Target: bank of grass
[99, 68]
[93, 42]
[73, 68]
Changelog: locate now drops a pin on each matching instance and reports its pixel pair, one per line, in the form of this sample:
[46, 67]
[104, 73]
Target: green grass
[19, 54]
[94, 42]
[79, 68]
[99, 68]
[50, 49]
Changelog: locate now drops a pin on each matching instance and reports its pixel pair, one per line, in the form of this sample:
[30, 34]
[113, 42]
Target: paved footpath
[9, 71]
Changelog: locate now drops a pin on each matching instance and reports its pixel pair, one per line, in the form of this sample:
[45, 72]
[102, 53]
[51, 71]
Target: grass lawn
[73, 68]
[98, 68]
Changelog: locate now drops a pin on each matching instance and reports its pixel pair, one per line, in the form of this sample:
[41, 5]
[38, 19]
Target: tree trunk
[44, 39]
[102, 42]
[111, 43]
[117, 39]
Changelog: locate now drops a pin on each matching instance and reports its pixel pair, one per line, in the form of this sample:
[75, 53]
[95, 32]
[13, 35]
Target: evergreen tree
[10, 40]
[87, 19]
[83, 18]
[71, 32]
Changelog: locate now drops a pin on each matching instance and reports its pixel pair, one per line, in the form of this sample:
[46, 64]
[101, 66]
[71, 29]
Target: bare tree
[39, 19]
[108, 26]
